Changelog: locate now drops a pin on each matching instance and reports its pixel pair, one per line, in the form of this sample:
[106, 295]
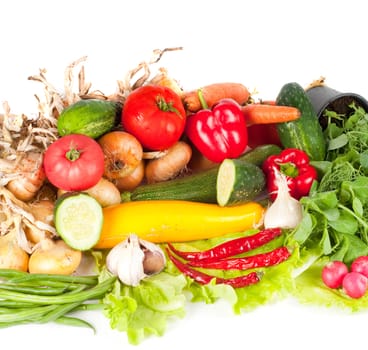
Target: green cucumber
[306, 132]
[90, 117]
[259, 154]
[238, 182]
[201, 186]
[78, 220]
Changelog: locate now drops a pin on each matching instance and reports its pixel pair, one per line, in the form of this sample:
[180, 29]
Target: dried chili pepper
[242, 281]
[203, 278]
[271, 258]
[230, 248]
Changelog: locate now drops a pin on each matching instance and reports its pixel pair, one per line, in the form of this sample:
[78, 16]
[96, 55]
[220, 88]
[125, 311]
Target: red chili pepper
[230, 248]
[242, 281]
[294, 163]
[271, 258]
[220, 132]
[203, 278]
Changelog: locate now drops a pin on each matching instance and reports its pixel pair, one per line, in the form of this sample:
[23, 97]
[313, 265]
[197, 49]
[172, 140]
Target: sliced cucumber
[78, 220]
[238, 182]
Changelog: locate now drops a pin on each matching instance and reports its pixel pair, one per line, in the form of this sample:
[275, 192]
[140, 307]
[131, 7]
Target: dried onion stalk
[23, 137]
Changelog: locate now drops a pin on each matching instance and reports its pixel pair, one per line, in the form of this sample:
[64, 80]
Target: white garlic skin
[127, 260]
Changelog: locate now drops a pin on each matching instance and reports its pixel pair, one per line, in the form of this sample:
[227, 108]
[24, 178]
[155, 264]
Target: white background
[263, 44]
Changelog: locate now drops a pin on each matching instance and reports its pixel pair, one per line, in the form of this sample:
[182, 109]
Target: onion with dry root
[105, 192]
[170, 164]
[12, 256]
[43, 211]
[163, 79]
[28, 177]
[123, 153]
[26, 228]
[133, 180]
[55, 257]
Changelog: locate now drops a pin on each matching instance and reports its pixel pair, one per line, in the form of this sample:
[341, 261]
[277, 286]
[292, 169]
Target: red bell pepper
[294, 164]
[220, 132]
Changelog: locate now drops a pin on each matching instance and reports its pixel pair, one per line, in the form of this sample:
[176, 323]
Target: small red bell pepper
[220, 132]
[294, 163]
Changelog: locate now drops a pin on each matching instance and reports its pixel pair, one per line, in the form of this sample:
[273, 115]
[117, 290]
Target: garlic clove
[135, 259]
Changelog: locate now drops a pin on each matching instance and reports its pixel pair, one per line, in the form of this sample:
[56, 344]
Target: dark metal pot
[325, 98]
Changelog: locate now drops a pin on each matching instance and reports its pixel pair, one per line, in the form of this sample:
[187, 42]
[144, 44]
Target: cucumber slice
[78, 220]
[238, 182]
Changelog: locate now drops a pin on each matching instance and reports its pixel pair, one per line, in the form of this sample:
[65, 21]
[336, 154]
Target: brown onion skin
[123, 153]
[133, 180]
[170, 164]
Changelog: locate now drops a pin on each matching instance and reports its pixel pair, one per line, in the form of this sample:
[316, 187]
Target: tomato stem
[73, 154]
[166, 106]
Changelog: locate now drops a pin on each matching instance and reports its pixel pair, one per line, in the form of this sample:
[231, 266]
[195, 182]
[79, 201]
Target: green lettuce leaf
[144, 310]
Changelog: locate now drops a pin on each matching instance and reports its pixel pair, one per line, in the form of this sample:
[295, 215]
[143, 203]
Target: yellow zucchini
[162, 221]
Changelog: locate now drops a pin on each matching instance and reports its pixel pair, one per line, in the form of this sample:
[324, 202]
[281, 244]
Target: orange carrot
[258, 113]
[213, 93]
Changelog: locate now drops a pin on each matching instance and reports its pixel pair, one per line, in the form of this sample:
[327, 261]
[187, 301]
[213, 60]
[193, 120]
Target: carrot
[259, 113]
[213, 93]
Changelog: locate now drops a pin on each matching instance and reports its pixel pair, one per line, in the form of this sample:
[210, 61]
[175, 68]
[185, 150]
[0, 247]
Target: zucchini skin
[259, 154]
[199, 187]
[249, 182]
[90, 117]
[175, 221]
[306, 132]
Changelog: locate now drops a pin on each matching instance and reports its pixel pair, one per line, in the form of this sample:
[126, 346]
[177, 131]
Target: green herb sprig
[335, 218]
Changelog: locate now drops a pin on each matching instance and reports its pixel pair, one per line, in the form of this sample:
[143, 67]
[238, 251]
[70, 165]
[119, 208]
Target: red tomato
[74, 162]
[155, 115]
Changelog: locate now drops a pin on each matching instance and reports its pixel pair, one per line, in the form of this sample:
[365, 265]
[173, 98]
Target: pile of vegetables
[127, 202]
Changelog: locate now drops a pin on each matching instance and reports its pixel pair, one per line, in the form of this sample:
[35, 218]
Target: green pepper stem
[289, 169]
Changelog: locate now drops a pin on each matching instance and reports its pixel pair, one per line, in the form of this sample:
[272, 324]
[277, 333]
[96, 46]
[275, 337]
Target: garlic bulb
[135, 259]
[285, 211]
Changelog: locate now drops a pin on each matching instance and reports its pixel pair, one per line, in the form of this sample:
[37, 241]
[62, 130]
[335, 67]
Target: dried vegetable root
[24, 140]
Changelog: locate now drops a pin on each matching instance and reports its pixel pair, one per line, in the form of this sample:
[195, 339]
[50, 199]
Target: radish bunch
[354, 282]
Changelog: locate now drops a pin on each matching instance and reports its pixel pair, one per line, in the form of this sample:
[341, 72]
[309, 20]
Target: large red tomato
[74, 162]
[155, 115]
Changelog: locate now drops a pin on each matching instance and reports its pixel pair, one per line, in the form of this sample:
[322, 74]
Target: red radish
[355, 284]
[333, 274]
[360, 265]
